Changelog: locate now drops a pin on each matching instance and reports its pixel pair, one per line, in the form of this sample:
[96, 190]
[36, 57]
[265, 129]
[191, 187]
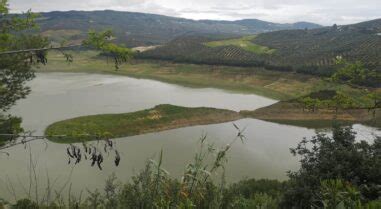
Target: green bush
[340, 156]
[25, 204]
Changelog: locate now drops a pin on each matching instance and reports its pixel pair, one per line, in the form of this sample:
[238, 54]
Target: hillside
[358, 42]
[139, 29]
[195, 49]
[309, 51]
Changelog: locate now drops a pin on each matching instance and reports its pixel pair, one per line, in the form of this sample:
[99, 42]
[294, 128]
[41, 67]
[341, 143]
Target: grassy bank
[166, 117]
[293, 113]
[272, 84]
[159, 118]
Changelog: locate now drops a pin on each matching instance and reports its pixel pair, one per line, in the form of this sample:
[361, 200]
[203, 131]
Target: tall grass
[201, 186]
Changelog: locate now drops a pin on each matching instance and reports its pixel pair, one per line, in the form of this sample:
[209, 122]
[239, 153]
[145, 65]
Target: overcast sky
[326, 12]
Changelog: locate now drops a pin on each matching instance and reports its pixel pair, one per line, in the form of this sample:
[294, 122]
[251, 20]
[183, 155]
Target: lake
[59, 96]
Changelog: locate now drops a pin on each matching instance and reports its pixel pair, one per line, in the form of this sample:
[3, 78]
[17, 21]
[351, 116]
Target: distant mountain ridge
[139, 29]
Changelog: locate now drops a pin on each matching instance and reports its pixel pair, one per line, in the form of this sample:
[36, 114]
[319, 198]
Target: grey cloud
[325, 12]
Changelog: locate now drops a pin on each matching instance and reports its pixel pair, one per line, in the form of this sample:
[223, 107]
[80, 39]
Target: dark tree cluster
[338, 156]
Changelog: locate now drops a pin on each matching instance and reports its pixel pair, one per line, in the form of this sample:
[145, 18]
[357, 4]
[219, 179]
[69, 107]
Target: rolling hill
[139, 29]
[357, 42]
[311, 51]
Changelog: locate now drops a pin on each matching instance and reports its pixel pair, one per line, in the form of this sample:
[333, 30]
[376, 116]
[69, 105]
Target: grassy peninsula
[159, 118]
[166, 117]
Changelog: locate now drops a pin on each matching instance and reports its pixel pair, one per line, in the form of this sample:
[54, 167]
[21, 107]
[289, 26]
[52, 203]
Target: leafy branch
[98, 41]
[102, 41]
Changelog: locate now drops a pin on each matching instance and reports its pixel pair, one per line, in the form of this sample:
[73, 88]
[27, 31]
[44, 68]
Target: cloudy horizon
[325, 12]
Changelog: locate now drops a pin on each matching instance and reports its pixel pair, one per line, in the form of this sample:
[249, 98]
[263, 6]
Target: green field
[244, 43]
[159, 118]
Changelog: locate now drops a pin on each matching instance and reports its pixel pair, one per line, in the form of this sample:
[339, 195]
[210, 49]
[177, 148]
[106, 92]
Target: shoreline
[167, 117]
[276, 85]
[259, 91]
[247, 80]
[293, 114]
[160, 118]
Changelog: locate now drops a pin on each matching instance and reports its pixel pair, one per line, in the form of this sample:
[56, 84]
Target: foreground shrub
[336, 157]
